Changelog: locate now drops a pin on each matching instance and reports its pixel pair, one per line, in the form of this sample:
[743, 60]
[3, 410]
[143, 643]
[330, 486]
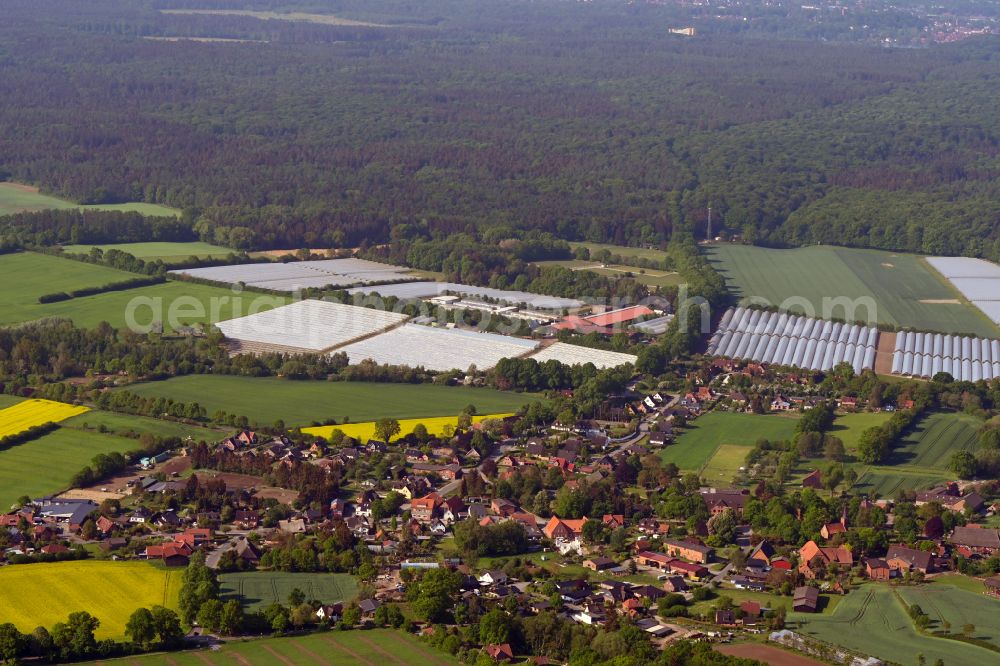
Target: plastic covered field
[568, 354]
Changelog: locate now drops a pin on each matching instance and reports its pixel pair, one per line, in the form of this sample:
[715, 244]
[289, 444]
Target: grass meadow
[849, 427]
[33, 595]
[258, 589]
[29, 276]
[375, 647]
[907, 293]
[945, 603]
[167, 252]
[127, 425]
[47, 464]
[300, 403]
[871, 620]
[698, 444]
[9, 400]
[16, 198]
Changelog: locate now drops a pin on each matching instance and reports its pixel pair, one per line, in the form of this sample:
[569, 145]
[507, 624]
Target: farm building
[927, 354]
[790, 340]
[437, 348]
[568, 354]
[301, 274]
[308, 326]
[620, 316]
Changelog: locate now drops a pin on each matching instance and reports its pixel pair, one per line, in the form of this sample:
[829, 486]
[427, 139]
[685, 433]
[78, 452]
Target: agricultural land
[34, 275]
[17, 198]
[258, 589]
[167, 252]
[301, 403]
[30, 413]
[364, 431]
[904, 289]
[386, 647]
[43, 594]
[722, 433]
[127, 425]
[47, 464]
[871, 620]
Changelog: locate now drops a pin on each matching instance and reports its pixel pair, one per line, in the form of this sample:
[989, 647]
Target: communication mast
[708, 237]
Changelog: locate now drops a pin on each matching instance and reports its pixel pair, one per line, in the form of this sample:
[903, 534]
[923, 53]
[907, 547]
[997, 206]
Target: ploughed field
[902, 287]
[301, 403]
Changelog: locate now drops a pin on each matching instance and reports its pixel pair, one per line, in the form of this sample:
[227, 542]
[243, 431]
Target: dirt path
[883, 356]
[346, 650]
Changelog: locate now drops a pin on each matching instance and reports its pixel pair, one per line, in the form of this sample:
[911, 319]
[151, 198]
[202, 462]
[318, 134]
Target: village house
[599, 563]
[425, 509]
[719, 502]
[972, 540]
[813, 558]
[695, 552]
[813, 480]
[877, 569]
[900, 558]
[558, 529]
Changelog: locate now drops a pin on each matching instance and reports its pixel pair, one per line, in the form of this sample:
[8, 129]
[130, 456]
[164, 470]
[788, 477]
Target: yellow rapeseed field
[33, 595]
[365, 431]
[32, 413]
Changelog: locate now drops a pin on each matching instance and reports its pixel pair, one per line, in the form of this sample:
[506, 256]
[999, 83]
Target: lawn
[46, 465]
[850, 426]
[364, 431]
[168, 252]
[16, 198]
[870, 620]
[724, 464]
[959, 607]
[381, 647]
[30, 413]
[698, 443]
[258, 589]
[901, 285]
[33, 595]
[300, 403]
[9, 400]
[125, 425]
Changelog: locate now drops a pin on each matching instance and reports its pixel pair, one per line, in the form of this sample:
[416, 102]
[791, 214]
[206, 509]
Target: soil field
[901, 287]
[301, 403]
[17, 198]
[767, 654]
[33, 595]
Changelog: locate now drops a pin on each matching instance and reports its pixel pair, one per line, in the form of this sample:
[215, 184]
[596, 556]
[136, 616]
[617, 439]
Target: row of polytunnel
[791, 340]
[964, 358]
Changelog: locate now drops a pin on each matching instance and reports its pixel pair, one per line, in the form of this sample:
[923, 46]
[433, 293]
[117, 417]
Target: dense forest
[588, 121]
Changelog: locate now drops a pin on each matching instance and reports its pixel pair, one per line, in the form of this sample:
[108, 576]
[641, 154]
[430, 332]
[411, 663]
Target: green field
[46, 465]
[33, 595]
[646, 276]
[299, 403]
[850, 426]
[896, 282]
[16, 198]
[871, 620]
[168, 252]
[921, 458]
[9, 400]
[724, 464]
[124, 424]
[623, 251]
[703, 436]
[29, 275]
[959, 607]
[258, 589]
[375, 647]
